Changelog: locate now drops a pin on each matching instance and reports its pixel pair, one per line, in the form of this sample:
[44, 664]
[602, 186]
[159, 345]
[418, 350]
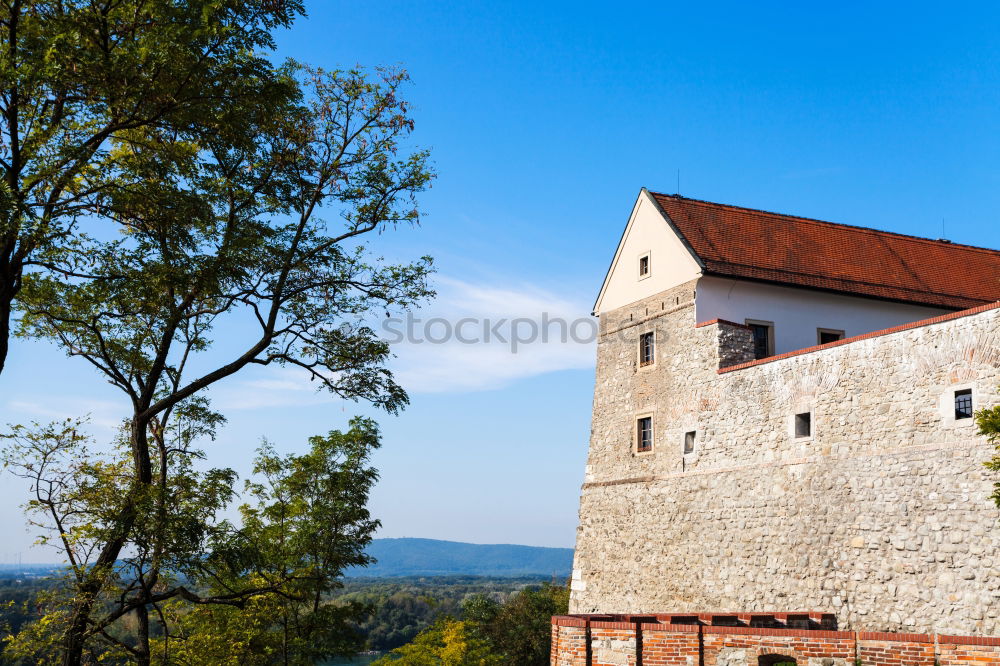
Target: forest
[398, 609]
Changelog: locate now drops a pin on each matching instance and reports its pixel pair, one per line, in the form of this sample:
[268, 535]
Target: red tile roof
[752, 244]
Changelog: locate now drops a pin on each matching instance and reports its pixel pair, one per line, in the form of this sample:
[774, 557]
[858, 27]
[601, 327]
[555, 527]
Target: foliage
[83, 80]
[447, 642]
[519, 629]
[399, 608]
[988, 420]
[257, 593]
[403, 607]
[222, 227]
[515, 631]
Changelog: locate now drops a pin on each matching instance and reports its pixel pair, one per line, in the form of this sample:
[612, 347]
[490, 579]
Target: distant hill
[430, 557]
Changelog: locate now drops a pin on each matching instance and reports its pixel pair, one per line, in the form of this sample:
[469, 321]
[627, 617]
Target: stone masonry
[882, 516]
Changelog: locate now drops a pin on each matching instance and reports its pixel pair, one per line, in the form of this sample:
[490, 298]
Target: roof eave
[953, 305]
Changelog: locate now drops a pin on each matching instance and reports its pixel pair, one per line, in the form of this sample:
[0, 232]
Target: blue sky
[544, 120]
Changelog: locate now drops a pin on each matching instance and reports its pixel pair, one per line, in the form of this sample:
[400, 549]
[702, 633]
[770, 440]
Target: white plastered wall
[671, 263]
[797, 313]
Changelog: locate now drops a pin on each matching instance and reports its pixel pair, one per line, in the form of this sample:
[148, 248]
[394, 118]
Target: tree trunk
[6, 305]
[76, 636]
[9, 285]
[142, 615]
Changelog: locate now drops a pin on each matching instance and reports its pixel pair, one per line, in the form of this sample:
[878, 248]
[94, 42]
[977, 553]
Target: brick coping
[634, 622]
[846, 341]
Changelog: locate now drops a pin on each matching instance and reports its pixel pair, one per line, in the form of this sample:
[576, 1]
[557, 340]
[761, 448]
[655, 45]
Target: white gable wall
[671, 263]
[797, 313]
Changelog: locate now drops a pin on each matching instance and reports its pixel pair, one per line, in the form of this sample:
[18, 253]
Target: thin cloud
[450, 366]
[102, 414]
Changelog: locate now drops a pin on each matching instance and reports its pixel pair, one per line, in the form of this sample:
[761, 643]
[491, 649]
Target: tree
[253, 594]
[988, 420]
[228, 231]
[517, 631]
[448, 642]
[82, 79]
[520, 629]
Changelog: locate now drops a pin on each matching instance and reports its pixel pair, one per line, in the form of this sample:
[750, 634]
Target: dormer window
[644, 266]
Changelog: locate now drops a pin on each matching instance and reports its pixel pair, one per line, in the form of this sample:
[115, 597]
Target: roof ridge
[813, 220]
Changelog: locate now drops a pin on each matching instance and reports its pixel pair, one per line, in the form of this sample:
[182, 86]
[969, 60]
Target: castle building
[783, 419]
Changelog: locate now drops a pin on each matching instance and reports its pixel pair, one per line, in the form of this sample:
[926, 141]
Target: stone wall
[882, 515]
[589, 640]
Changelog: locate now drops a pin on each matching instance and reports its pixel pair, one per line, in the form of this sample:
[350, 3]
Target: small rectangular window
[803, 425]
[689, 442]
[763, 338]
[963, 404]
[644, 265]
[644, 434]
[827, 335]
[647, 352]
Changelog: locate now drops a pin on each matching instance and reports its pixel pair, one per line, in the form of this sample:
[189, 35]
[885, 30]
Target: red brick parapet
[679, 639]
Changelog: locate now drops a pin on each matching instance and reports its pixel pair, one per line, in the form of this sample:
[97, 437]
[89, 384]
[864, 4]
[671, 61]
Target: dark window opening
[827, 335]
[761, 340]
[646, 349]
[803, 425]
[644, 434]
[644, 265]
[689, 442]
[963, 404]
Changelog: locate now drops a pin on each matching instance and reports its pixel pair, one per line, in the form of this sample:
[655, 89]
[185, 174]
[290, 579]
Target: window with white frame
[647, 349]
[828, 335]
[963, 404]
[763, 337]
[644, 434]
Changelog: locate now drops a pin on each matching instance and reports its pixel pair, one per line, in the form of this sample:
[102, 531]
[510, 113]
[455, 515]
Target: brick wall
[732, 646]
[670, 644]
[885, 649]
[603, 640]
[968, 650]
[613, 644]
[569, 642]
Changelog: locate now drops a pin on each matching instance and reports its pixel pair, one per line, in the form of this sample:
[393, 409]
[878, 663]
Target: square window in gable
[644, 266]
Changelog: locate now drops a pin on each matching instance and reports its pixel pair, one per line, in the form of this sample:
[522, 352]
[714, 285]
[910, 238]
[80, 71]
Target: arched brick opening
[776, 660]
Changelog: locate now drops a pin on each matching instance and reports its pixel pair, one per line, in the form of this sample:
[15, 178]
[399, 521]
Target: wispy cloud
[268, 387]
[454, 365]
[102, 414]
[450, 365]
